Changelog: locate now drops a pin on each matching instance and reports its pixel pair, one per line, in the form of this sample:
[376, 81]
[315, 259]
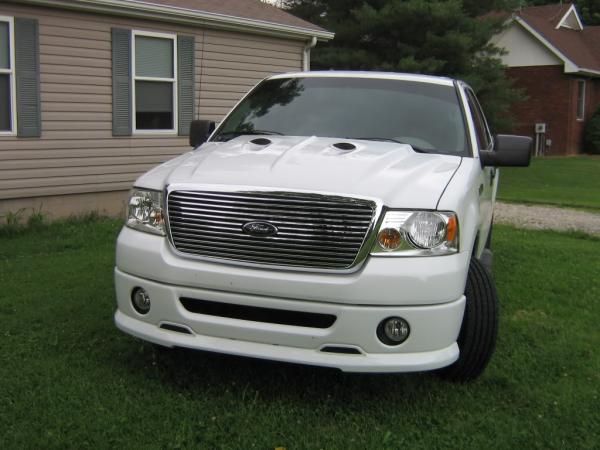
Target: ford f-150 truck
[338, 219]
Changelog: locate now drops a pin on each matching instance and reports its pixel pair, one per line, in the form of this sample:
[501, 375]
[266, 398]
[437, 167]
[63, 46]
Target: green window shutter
[185, 83]
[27, 73]
[121, 81]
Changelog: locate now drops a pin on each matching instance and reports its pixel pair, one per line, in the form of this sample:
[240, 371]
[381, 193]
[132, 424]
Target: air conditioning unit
[540, 128]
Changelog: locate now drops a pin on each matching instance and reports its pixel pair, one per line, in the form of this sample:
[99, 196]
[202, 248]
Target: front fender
[462, 196]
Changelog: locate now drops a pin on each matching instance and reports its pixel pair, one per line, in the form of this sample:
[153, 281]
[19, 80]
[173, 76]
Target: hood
[391, 172]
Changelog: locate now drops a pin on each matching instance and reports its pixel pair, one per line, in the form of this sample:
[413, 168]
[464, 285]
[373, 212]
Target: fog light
[393, 331]
[140, 300]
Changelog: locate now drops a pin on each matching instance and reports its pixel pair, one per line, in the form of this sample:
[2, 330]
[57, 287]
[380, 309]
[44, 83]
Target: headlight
[417, 233]
[145, 211]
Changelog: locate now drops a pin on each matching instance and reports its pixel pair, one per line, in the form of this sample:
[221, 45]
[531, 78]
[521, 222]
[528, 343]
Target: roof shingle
[582, 47]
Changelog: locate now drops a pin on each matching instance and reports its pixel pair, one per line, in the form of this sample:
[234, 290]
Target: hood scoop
[346, 146]
[263, 142]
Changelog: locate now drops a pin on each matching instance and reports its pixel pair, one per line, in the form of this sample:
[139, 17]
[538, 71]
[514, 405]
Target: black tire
[479, 329]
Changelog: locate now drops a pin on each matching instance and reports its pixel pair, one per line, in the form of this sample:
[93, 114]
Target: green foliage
[591, 137]
[15, 225]
[571, 182]
[589, 11]
[70, 379]
[13, 219]
[11, 222]
[438, 37]
[37, 219]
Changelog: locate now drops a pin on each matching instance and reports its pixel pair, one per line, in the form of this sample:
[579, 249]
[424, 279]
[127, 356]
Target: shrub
[591, 135]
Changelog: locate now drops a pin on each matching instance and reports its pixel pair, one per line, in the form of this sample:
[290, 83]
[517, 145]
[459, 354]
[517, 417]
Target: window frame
[580, 105]
[135, 78]
[479, 116]
[11, 76]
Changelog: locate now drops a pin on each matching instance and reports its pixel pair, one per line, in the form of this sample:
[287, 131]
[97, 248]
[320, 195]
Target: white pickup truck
[338, 219]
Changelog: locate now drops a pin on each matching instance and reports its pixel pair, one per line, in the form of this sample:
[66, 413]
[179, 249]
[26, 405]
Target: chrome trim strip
[364, 246]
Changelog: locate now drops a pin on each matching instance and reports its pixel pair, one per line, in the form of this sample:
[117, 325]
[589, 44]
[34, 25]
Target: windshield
[427, 116]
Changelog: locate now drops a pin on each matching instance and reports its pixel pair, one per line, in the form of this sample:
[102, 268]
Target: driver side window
[484, 138]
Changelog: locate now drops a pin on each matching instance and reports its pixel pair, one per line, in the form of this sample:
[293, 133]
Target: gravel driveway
[547, 218]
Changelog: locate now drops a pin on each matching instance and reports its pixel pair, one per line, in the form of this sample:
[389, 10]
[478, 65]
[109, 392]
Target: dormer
[570, 20]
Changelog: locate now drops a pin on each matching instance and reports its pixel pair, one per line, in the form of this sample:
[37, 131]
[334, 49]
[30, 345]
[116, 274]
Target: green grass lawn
[70, 379]
[572, 182]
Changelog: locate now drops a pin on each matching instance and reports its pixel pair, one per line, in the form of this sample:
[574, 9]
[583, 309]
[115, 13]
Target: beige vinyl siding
[77, 152]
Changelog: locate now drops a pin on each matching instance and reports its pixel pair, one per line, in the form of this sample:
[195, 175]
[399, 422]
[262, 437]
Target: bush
[591, 135]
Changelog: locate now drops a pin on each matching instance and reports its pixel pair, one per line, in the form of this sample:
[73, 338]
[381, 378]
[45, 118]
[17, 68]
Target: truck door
[488, 180]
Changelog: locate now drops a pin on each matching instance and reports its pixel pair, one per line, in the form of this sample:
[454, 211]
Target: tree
[591, 136]
[590, 11]
[435, 37]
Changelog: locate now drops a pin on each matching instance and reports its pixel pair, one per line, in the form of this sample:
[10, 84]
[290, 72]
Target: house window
[580, 99]
[7, 77]
[154, 82]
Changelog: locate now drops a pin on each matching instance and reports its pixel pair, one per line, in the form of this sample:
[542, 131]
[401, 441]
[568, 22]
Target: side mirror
[509, 151]
[200, 130]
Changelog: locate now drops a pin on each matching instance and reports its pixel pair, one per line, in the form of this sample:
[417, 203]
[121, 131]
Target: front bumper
[431, 344]
[391, 281]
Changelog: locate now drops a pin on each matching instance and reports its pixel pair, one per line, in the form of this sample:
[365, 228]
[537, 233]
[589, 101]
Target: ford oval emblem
[261, 229]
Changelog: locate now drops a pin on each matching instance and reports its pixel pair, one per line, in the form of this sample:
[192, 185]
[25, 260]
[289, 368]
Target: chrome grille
[313, 231]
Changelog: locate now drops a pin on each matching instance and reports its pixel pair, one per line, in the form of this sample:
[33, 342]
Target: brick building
[555, 59]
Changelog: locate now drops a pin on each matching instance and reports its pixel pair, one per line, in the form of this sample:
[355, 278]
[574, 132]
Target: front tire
[477, 337]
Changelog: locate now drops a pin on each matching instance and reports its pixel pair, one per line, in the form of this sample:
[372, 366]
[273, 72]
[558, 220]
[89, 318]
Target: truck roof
[445, 81]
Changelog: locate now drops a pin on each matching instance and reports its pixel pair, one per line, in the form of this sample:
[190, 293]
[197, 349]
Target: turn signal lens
[451, 229]
[389, 239]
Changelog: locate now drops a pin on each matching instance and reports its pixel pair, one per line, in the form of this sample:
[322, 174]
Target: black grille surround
[312, 231]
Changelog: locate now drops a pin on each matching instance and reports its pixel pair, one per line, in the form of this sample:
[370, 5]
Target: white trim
[571, 10]
[11, 75]
[148, 10]
[306, 53]
[173, 80]
[577, 116]
[593, 73]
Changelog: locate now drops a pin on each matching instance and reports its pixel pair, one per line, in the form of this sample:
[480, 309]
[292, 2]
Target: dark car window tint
[424, 115]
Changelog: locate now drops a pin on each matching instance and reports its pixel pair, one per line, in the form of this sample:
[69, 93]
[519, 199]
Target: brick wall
[552, 99]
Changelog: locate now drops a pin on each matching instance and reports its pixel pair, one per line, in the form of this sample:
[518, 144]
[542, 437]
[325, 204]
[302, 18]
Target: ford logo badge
[261, 229]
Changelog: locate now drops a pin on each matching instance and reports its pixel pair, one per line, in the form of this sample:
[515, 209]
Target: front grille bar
[311, 230]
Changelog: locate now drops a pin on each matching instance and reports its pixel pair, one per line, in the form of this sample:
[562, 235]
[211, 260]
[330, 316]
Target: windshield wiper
[228, 135]
[384, 139]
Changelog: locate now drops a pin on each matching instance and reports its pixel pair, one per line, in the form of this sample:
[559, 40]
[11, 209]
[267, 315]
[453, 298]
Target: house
[95, 92]
[555, 59]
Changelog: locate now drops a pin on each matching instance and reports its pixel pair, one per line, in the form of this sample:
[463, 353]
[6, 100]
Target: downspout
[306, 54]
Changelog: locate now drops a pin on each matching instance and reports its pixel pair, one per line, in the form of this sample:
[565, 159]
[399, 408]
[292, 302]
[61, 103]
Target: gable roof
[242, 15]
[556, 27]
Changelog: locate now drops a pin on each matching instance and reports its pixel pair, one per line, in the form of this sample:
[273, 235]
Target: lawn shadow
[205, 373]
